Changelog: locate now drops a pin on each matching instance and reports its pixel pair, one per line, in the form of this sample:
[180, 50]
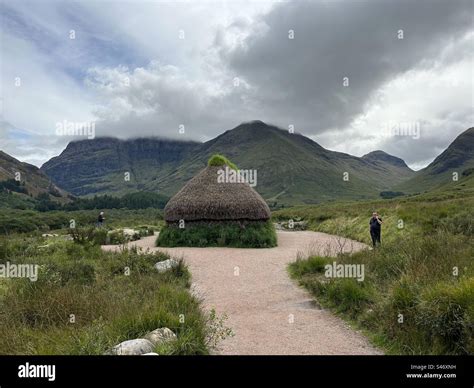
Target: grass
[85, 301]
[27, 221]
[254, 235]
[221, 160]
[418, 293]
[403, 217]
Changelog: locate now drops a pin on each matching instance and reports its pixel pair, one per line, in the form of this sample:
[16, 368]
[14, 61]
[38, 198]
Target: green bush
[349, 295]
[254, 235]
[99, 236]
[116, 237]
[145, 231]
[312, 265]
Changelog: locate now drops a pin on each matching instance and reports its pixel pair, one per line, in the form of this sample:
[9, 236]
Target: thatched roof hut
[205, 198]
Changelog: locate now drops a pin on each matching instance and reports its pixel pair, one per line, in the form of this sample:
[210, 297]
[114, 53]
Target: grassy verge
[232, 235]
[27, 221]
[85, 301]
[414, 216]
[417, 296]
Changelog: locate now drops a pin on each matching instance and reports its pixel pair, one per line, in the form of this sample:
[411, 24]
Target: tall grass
[86, 301]
[418, 292]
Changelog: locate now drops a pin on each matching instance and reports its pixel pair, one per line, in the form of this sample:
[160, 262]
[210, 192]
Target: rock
[294, 226]
[278, 226]
[160, 336]
[130, 232]
[163, 266]
[150, 354]
[133, 347]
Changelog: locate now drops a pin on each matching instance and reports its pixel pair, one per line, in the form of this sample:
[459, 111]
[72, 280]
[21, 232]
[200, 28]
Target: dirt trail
[267, 311]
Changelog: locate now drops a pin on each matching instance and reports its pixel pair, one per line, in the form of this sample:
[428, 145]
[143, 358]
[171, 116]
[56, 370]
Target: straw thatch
[204, 199]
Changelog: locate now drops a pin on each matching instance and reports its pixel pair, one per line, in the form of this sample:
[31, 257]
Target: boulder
[163, 266]
[133, 347]
[160, 336]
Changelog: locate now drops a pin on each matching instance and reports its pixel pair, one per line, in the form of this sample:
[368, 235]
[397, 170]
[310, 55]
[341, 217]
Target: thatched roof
[204, 198]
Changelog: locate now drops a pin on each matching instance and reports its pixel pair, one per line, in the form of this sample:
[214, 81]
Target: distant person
[101, 219]
[375, 228]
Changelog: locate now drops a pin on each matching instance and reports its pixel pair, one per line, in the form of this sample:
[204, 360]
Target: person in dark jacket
[100, 219]
[375, 228]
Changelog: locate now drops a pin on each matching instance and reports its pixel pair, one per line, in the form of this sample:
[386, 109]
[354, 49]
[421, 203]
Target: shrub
[349, 295]
[312, 265]
[145, 231]
[116, 237]
[446, 311]
[252, 235]
[99, 237]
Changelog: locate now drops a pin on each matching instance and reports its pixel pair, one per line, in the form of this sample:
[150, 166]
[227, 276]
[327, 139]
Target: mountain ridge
[291, 167]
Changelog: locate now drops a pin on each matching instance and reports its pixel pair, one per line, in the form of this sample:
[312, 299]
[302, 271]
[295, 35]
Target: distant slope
[396, 165]
[32, 181]
[291, 168]
[458, 157]
[103, 165]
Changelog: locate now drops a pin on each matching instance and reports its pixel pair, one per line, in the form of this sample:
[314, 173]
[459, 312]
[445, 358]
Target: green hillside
[22, 183]
[457, 158]
[113, 166]
[291, 168]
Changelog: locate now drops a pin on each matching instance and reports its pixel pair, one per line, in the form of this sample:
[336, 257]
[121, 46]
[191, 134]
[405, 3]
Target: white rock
[163, 266]
[133, 347]
[150, 354]
[129, 232]
[160, 336]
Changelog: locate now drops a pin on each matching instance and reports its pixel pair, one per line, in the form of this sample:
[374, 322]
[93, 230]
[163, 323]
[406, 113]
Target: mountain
[291, 168]
[382, 159]
[103, 165]
[457, 158]
[23, 181]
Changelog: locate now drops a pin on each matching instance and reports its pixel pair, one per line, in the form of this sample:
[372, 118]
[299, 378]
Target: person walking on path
[375, 229]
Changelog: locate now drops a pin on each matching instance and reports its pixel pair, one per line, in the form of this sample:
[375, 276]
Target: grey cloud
[434, 138]
[301, 79]
[284, 81]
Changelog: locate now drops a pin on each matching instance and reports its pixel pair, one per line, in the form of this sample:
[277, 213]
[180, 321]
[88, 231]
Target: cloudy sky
[355, 76]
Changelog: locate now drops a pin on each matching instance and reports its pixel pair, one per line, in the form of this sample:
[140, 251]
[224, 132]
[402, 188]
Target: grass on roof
[221, 160]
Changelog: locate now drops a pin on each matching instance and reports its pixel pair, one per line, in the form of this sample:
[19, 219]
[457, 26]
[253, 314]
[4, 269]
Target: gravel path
[267, 311]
